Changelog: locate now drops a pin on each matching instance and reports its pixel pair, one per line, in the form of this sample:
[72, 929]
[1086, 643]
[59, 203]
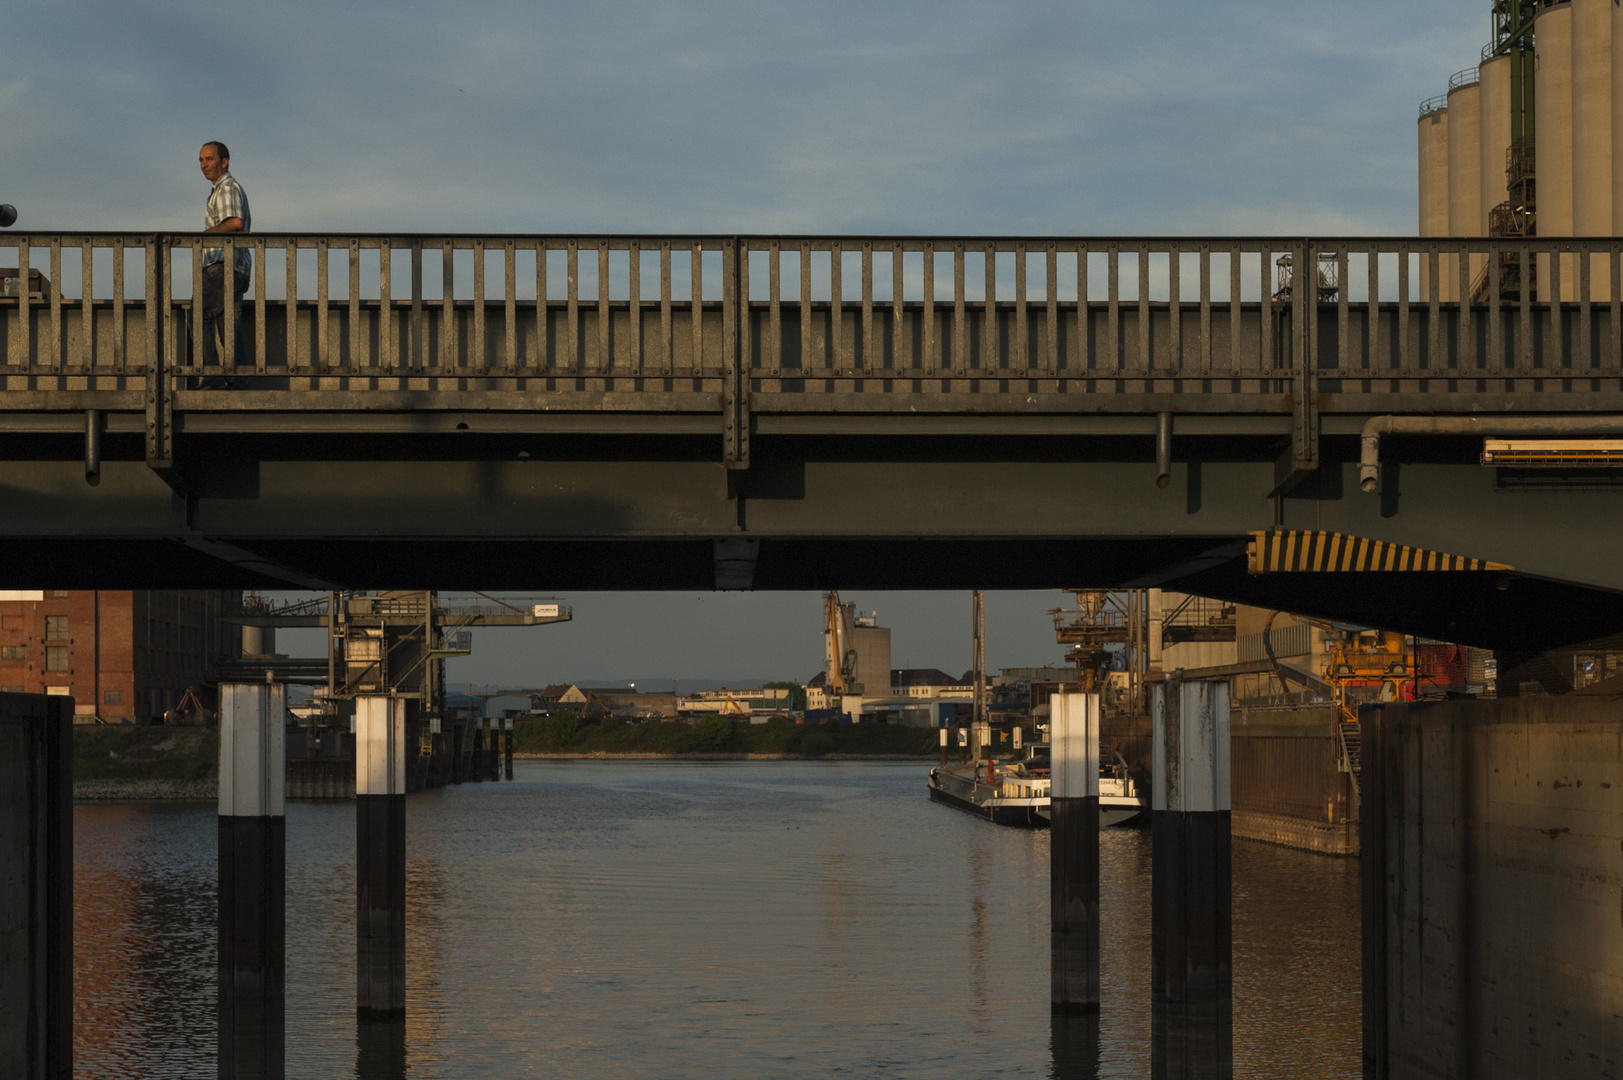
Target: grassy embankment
[126, 752]
[560, 734]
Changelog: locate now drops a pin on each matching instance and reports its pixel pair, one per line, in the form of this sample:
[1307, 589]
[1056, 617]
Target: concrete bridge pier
[1074, 851]
[380, 858]
[1191, 910]
[36, 889]
[252, 881]
[1490, 856]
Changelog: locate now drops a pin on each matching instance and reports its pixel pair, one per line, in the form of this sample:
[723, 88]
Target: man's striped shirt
[227, 200]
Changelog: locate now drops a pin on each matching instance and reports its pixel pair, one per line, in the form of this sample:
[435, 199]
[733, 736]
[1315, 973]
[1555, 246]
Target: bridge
[775, 412]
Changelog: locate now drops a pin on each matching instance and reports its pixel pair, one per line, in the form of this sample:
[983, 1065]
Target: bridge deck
[735, 327]
[855, 410]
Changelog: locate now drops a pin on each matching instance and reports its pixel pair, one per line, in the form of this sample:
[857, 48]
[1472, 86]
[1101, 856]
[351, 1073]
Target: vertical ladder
[1351, 746]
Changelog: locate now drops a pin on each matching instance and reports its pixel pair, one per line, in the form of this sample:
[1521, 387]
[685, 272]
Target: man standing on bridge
[225, 212]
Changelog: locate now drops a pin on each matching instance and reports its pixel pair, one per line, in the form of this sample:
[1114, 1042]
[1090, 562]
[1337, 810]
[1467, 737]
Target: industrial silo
[1494, 138]
[1464, 174]
[1433, 179]
[1592, 132]
[1552, 124]
[1617, 120]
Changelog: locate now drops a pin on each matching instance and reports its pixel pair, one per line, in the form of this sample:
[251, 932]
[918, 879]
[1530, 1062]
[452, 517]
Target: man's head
[214, 159]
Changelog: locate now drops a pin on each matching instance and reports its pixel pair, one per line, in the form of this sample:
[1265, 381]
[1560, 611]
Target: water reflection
[1073, 1042]
[382, 1050]
[682, 920]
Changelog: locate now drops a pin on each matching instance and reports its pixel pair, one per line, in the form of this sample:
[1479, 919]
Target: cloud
[709, 115]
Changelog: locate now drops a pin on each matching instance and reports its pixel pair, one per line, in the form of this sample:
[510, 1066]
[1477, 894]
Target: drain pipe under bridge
[1369, 458]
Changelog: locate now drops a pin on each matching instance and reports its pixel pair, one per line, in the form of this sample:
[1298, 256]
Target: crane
[839, 659]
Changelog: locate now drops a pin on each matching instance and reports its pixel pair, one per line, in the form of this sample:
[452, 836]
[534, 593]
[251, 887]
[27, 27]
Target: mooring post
[507, 733]
[36, 888]
[943, 748]
[1191, 907]
[252, 881]
[1073, 845]
[380, 858]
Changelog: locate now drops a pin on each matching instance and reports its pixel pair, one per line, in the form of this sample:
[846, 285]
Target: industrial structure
[123, 656]
[380, 645]
[1529, 143]
[856, 656]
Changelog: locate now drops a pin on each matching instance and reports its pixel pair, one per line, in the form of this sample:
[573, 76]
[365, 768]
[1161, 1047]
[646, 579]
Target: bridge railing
[818, 308]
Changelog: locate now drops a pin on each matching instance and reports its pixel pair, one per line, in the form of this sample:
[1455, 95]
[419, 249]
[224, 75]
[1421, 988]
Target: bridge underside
[509, 504]
[769, 412]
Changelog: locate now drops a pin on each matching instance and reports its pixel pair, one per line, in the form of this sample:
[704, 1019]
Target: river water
[683, 919]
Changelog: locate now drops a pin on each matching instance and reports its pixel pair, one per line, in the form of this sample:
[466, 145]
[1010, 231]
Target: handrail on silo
[1461, 79]
[1434, 105]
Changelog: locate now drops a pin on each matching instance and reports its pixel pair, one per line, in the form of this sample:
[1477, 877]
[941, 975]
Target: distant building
[736, 704]
[505, 706]
[464, 707]
[638, 706]
[559, 696]
[928, 683]
[123, 656]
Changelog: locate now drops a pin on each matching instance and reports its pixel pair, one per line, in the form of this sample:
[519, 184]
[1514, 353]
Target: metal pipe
[1163, 449]
[92, 447]
[1369, 458]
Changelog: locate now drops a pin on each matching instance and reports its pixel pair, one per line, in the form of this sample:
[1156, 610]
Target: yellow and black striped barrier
[1287, 551]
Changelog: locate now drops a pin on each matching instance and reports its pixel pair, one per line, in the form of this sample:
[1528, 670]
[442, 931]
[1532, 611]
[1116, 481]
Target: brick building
[121, 655]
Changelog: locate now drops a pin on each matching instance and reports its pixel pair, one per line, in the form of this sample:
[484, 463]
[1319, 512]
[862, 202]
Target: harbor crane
[839, 657]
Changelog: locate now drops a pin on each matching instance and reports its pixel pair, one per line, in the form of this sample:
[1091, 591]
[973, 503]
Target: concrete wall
[1288, 788]
[1493, 889]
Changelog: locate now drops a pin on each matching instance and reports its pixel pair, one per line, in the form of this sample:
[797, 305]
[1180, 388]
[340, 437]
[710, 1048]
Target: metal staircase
[1351, 744]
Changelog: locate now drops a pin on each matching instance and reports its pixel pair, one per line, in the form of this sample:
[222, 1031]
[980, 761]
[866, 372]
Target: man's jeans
[213, 328]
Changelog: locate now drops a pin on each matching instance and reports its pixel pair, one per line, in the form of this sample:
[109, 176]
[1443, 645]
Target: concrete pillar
[36, 886]
[252, 880]
[1073, 845]
[380, 858]
[1492, 936]
[507, 735]
[1191, 907]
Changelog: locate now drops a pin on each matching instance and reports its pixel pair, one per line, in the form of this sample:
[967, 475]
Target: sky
[1039, 117]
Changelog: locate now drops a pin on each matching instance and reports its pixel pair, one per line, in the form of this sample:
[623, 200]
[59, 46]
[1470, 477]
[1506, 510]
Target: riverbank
[713, 738]
[602, 755]
[145, 764]
[168, 764]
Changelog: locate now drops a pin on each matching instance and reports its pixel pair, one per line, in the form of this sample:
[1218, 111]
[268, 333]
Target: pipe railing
[815, 315]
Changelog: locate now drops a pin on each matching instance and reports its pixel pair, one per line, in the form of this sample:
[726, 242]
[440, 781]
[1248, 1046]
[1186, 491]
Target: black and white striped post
[1074, 852]
[1191, 909]
[252, 881]
[380, 858]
